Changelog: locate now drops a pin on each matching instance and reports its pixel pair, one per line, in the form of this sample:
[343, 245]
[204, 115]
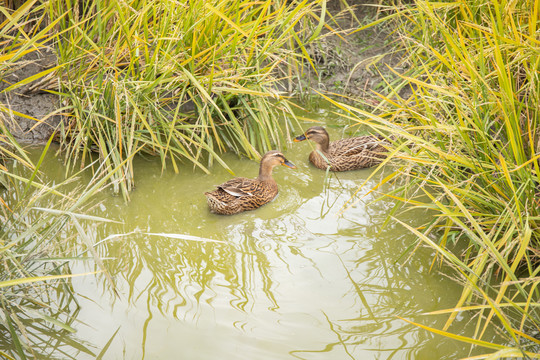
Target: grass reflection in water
[289, 280]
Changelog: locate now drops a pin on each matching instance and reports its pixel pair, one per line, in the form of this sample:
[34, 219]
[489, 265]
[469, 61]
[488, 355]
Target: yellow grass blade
[458, 337]
[28, 280]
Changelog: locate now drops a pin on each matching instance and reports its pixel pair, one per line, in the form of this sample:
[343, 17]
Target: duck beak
[300, 138]
[289, 164]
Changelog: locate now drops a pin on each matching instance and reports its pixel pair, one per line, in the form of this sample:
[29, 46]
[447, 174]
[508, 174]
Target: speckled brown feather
[242, 194]
[348, 154]
[252, 194]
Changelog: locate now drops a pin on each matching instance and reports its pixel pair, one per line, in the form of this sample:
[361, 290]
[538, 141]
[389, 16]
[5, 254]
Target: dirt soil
[37, 104]
[345, 65]
[352, 64]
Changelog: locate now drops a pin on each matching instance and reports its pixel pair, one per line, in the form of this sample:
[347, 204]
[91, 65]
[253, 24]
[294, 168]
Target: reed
[37, 304]
[468, 143]
[184, 80]
[38, 220]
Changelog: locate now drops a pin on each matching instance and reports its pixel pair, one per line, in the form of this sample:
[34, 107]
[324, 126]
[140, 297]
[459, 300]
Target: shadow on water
[293, 279]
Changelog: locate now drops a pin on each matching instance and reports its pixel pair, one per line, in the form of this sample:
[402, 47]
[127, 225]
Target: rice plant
[184, 80]
[37, 305]
[37, 311]
[469, 143]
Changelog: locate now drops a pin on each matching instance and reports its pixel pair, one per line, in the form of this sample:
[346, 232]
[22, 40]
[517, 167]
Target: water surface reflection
[290, 280]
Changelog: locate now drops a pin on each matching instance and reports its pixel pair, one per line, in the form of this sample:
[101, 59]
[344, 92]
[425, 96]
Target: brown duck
[345, 154]
[243, 194]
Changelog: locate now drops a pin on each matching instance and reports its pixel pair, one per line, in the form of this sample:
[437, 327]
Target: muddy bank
[39, 105]
[351, 63]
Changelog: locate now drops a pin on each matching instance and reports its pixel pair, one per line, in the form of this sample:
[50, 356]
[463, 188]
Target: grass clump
[185, 80]
[470, 141]
[37, 304]
[37, 222]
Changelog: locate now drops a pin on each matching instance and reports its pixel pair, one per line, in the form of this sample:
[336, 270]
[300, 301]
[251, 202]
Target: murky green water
[293, 279]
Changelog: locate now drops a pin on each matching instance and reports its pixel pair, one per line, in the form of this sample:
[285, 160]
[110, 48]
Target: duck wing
[354, 146]
[239, 187]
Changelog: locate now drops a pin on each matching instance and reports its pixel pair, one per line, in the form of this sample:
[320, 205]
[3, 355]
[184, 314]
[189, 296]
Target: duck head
[317, 134]
[274, 158]
[270, 160]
